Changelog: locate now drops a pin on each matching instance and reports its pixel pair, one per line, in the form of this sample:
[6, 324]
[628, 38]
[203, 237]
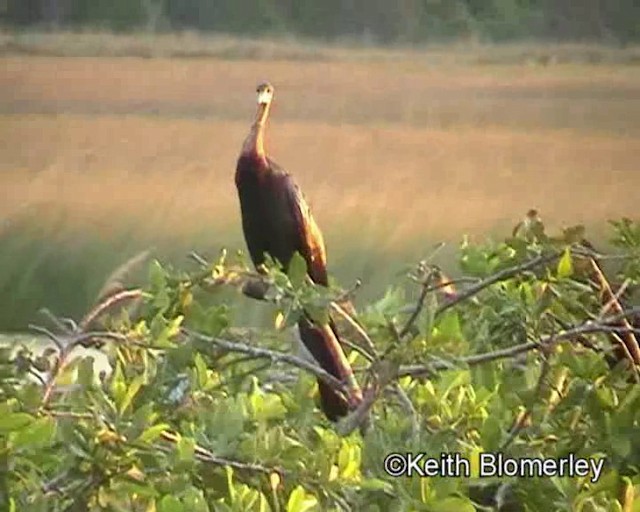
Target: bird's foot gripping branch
[533, 356]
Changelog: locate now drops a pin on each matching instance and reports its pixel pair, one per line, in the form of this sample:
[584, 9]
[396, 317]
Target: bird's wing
[309, 240]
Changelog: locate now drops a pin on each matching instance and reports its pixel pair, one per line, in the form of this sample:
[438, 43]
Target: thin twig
[275, 356]
[349, 293]
[444, 283]
[359, 417]
[65, 348]
[370, 347]
[37, 376]
[360, 350]
[410, 410]
[198, 259]
[616, 298]
[205, 455]
[628, 337]
[522, 420]
[588, 327]
[53, 485]
[419, 305]
[108, 303]
[68, 414]
[58, 322]
[497, 277]
[53, 337]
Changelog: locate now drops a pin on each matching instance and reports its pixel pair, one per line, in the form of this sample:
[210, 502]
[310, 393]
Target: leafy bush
[198, 415]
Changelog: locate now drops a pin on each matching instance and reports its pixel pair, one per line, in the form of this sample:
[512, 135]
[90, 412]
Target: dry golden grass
[394, 146]
[188, 44]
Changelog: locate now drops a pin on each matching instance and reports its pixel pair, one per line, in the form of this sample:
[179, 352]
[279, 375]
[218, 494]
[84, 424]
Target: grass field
[103, 155]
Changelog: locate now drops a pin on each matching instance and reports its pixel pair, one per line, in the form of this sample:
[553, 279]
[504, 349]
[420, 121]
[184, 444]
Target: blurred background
[406, 124]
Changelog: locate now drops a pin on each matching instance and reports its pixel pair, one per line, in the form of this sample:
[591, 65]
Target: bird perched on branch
[276, 220]
[531, 227]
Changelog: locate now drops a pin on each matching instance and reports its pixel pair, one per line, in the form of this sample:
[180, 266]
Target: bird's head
[265, 93]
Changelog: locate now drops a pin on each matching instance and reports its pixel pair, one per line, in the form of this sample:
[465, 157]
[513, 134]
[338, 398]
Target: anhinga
[276, 221]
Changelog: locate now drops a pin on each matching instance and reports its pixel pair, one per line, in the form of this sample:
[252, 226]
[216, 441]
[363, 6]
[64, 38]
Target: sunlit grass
[101, 157]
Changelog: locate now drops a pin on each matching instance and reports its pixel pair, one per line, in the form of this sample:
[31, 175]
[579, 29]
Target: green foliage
[377, 20]
[181, 423]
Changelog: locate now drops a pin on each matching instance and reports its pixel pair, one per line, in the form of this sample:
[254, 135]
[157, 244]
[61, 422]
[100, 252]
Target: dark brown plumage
[276, 220]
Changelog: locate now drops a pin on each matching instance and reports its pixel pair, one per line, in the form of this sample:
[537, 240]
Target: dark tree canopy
[379, 21]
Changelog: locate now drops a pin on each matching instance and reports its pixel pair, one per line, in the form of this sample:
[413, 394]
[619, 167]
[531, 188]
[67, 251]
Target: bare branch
[273, 355]
[53, 337]
[205, 455]
[66, 345]
[68, 414]
[359, 417]
[410, 410]
[349, 293]
[627, 334]
[419, 304]
[60, 324]
[523, 420]
[507, 273]
[616, 298]
[370, 349]
[198, 259]
[588, 327]
[107, 304]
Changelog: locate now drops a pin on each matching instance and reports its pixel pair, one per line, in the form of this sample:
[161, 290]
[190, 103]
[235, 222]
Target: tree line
[376, 21]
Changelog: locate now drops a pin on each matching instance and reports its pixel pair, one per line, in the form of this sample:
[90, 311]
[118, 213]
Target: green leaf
[267, 406]
[201, 372]
[319, 314]
[118, 386]
[39, 433]
[163, 330]
[195, 501]
[297, 270]
[375, 484]
[157, 276]
[565, 264]
[452, 504]
[130, 394]
[621, 445]
[14, 421]
[152, 433]
[85, 372]
[186, 448]
[349, 460]
[300, 501]
[170, 503]
[452, 379]
[449, 326]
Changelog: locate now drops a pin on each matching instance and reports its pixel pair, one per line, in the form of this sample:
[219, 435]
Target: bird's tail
[322, 342]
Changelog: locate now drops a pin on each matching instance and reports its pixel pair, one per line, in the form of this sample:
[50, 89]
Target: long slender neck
[254, 143]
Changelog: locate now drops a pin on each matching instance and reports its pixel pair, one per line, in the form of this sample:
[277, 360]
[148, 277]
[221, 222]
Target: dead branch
[66, 344]
[107, 304]
[611, 302]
